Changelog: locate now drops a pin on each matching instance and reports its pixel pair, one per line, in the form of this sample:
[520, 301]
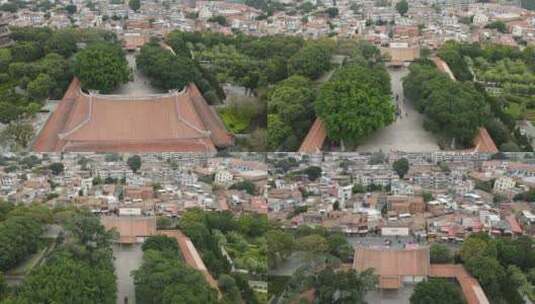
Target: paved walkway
[406, 133]
[140, 85]
[127, 259]
[288, 267]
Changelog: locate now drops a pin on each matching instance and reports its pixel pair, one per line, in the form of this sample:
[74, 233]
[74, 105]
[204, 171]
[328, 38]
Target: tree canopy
[355, 102]
[78, 271]
[290, 110]
[101, 66]
[174, 72]
[453, 109]
[401, 166]
[343, 287]
[501, 265]
[246, 186]
[19, 238]
[164, 278]
[402, 7]
[440, 253]
[439, 291]
[134, 4]
[134, 162]
[312, 60]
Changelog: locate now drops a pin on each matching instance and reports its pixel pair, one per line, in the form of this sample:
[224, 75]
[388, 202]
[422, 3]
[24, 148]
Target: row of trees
[505, 268]
[453, 109]
[254, 61]
[454, 54]
[167, 71]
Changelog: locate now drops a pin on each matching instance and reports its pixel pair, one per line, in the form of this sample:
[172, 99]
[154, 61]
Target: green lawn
[234, 122]
[514, 109]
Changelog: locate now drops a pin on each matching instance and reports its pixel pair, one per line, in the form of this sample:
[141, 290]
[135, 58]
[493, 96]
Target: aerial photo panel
[267, 151]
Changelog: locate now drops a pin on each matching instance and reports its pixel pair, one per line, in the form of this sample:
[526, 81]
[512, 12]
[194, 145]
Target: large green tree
[101, 66]
[134, 162]
[18, 133]
[62, 42]
[401, 166]
[312, 60]
[163, 244]
[166, 70]
[134, 4]
[355, 103]
[278, 131]
[402, 7]
[291, 110]
[39, 88]
[453, 109]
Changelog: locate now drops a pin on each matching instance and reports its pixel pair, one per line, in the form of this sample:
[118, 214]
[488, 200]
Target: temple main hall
[178, 121]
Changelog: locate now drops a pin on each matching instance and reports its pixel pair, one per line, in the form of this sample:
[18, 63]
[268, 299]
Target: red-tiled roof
[483, 143]
[392, 264]
[315, 138]
[47, 140]
[209, 117]
[177, 121]
[473, 293]
[130, 228]
[191, 255]
[443, 67]
[515, 226]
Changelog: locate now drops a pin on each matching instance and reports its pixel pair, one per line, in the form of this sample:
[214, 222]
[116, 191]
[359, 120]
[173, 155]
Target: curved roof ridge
[83, 122]
[146, 97]
[186, 122]
[176, 145]
[209, 117]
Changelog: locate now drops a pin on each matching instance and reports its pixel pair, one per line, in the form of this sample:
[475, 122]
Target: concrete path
[140, 85]
[127, 259]
[406, 133]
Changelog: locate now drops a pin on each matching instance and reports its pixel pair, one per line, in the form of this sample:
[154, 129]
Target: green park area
[75, 265]
[40, 65]
[498, 82]
[243, 239]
